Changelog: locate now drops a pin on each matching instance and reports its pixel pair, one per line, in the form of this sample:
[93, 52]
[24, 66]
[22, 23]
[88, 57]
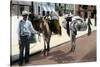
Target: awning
[48, 8]
[52, 9]
[44, 8]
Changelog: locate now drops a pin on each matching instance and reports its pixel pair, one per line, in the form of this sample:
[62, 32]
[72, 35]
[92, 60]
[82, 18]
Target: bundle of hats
[80, 25]
[55, 26]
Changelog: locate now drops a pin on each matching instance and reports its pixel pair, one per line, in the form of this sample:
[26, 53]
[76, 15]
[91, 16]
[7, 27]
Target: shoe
[20, 64]
[26, 61]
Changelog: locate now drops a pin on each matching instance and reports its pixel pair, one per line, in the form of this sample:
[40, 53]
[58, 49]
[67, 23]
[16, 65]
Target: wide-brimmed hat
[25, 13]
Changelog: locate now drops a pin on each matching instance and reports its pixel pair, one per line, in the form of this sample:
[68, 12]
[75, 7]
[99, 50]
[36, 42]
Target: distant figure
[25, 30]
[89, 26]
[95, 17]
[95, 20]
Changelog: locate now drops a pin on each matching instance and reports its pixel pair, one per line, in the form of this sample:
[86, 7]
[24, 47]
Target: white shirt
[25, 28]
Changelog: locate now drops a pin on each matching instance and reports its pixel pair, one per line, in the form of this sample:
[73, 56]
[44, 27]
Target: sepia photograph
[44, 33]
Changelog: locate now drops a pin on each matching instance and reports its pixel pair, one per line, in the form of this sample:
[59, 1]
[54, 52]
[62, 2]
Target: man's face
[25, 17]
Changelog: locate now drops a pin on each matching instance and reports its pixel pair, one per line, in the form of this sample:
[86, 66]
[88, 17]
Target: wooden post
[32, 9]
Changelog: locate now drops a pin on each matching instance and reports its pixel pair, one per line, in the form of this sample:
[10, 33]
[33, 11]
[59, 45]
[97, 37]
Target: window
[21, 9]
[48, 4]
[59, 4]
[43, 13]
[39, 10]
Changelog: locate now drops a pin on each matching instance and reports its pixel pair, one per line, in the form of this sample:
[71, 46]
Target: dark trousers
[68, 31]
[24, 45]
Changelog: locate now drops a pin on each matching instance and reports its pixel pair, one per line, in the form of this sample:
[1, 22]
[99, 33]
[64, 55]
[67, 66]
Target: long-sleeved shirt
[25, 28]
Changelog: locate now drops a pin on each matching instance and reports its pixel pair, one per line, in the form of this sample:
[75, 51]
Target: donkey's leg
[44, 51]
[73, 45]
[72, 48]
[48, 44]
[48, 47]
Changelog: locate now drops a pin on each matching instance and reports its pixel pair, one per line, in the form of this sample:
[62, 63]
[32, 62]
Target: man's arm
[33, 31]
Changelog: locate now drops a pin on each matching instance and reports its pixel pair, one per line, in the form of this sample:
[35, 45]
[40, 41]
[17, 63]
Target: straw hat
[25, 13]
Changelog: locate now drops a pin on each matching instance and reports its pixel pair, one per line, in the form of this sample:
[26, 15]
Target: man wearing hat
[25, 30]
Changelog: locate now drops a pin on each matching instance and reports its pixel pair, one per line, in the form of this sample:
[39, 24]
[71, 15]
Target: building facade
[39, 8]
[43, 7]
[17, 7]
[85, 10]
[34, 7]
[65, 8]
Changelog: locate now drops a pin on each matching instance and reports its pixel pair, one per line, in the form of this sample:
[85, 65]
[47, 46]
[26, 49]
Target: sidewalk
[85, 52]
[55, 39]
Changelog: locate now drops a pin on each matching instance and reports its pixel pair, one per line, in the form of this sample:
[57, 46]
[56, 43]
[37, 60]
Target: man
[68, 19]
[89, 26]
[89, 23]
[25, 30]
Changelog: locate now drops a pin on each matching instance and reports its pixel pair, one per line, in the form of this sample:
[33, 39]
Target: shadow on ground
[61, 57]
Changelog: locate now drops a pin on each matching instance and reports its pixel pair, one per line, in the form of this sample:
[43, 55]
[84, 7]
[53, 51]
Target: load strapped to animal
[55, 26]
[54, 23]
[76, 21]
[80, 24]
[36, 20]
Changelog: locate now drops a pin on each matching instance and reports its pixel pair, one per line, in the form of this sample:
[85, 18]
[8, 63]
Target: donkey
[76, 24]
[46, 27]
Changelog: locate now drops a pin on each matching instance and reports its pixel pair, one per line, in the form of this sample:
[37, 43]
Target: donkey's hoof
[72, 49]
